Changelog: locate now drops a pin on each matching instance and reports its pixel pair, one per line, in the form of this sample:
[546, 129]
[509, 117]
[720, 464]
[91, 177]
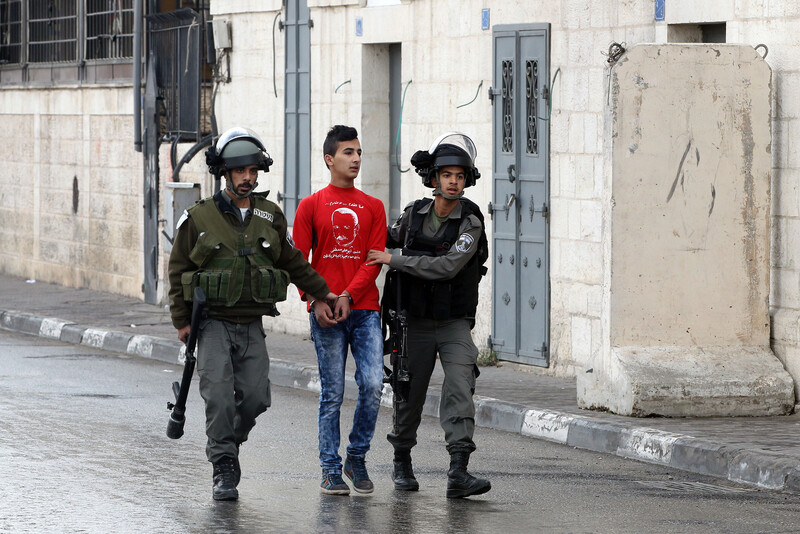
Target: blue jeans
[362, 333]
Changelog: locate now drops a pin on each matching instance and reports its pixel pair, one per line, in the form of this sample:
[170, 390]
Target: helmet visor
[457, 140]
[238, 133]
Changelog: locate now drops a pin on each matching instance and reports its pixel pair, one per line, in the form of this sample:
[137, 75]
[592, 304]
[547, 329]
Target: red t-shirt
[339, 226]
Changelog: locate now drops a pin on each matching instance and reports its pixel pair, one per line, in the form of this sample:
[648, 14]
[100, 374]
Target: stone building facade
[71, 190]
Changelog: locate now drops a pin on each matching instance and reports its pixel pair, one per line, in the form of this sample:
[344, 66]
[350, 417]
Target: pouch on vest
[204, 248]
[215, 284]
[269, 284]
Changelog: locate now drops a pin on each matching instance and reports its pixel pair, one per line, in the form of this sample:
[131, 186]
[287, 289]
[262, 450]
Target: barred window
[109, 29]
[10, 32]
[52, 31]
[84, 41]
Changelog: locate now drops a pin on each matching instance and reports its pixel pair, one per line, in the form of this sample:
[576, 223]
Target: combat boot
[459, 482]
[225, 474]
[403, 473]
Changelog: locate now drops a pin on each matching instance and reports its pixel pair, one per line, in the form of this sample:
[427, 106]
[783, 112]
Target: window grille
[10, 32]
[84, 41]
[109, 29]
[174, 38]
[52, 31]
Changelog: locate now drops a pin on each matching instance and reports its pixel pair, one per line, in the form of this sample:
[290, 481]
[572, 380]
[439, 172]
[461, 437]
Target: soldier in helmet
[443, 243]
[236, 247]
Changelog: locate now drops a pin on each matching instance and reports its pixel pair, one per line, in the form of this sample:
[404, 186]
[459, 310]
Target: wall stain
[713, 199]
[680, 170]
[749, 215]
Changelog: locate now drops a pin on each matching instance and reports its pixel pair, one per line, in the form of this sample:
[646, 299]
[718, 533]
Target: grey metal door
[520, 193]
[297, 134]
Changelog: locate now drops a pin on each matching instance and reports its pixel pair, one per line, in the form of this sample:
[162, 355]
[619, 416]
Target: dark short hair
[336, 135]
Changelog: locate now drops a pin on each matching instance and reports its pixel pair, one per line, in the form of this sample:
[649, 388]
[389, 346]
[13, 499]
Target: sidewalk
[762, 451]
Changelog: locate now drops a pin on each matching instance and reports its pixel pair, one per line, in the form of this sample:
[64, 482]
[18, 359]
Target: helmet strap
[234, 193]
[438, 191]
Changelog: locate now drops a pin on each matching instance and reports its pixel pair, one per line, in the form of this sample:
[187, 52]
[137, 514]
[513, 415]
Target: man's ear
[328, 160]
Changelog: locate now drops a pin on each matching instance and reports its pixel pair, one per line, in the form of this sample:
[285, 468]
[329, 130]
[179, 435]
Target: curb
[644, 444]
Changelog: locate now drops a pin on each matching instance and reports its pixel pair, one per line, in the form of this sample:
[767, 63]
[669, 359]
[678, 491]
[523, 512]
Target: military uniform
[244, 264]
[441, 266]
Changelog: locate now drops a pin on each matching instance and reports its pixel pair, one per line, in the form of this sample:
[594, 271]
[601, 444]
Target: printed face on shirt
[345, 226]
[347, 161]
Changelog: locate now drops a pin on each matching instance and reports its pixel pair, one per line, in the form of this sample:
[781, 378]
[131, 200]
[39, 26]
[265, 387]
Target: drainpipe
[138, 19]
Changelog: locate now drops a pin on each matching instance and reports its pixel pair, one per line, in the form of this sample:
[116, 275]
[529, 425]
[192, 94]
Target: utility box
[180, 197]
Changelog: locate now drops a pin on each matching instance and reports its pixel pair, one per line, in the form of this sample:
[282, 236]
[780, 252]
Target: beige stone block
[581, 52]
[793, 154]
[584, 172]
[592, 133]
[574, 216]
[752, 9]
[780, 144]
[689, 11]
[575, 297]
[566, 167]
[581, 337]
[591, 220]
[576, 87]
[576, 14]
[785, 292]
[579, 261]
[559, 219]
[577, 133]
[559, 132]
[789, 253]
[785, 192]
[225, 7]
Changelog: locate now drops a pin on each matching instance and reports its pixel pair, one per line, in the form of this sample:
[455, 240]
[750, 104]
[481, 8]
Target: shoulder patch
[183, 218]
[464, 243]
[289, 238]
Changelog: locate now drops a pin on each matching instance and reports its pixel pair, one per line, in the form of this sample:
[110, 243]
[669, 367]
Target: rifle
[396, 345]
[181, 389]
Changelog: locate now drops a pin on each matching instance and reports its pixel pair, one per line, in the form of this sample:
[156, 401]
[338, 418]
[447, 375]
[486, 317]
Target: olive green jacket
[191, 256]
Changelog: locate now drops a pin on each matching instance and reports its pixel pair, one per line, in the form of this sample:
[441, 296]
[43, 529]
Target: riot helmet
[451, 148]
[235, 148]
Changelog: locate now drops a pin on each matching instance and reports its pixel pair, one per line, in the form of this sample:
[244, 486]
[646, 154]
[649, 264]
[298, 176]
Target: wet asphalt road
[83, 449]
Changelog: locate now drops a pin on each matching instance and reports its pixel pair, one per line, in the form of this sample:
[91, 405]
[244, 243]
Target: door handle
[503, 207]
[511, 201]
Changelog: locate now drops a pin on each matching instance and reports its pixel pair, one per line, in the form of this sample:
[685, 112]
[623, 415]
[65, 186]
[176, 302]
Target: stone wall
[446, 55]
[70, 193]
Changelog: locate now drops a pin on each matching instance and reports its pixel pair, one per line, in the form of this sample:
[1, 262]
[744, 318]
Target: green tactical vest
[236, 266]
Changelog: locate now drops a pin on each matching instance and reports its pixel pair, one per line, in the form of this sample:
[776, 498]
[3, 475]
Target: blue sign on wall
[660, 9]
[359, 27]
[485, 19]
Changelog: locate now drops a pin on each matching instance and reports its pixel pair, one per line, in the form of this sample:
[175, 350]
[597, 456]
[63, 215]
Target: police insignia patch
[263, 214]
[289, 238]
[464, 243]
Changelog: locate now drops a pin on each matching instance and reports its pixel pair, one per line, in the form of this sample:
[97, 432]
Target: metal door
[520, 193]
[297, 129]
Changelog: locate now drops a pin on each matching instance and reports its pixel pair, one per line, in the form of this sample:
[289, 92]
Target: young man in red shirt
[338, 225]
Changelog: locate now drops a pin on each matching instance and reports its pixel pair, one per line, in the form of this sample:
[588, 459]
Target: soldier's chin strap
[237, 195]
[438, 191]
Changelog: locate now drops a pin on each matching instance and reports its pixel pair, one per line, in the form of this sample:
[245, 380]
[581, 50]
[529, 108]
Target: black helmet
[452, 148]
[235, 148]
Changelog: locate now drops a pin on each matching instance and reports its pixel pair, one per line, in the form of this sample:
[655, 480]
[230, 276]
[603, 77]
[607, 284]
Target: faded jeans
[362, 333]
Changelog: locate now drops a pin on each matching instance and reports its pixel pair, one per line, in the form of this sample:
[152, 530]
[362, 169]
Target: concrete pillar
[686, 229]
